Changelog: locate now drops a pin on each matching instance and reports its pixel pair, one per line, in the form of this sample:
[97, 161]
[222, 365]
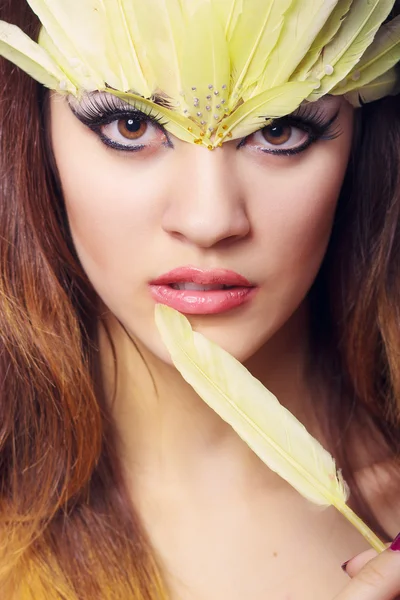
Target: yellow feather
[228, 12]
[254, 113]
[380, 58]
[387, 84]
[34, 60]
[326, 34]
[160, 28]
[78, 76]
[77, 30]
[217, 64]
[171, 120]
[256, 415]
[121, 22]
[356, 34]
[254, 38]
[303, 22]
[205, 67]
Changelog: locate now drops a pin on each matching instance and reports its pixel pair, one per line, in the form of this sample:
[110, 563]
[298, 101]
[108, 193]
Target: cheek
[110, 203]
[293, 206]
[294, 213]
[107, 219]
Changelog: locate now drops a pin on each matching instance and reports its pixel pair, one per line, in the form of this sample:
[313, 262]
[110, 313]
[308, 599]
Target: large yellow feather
[256, 415]
[354, 37]
[380, 58]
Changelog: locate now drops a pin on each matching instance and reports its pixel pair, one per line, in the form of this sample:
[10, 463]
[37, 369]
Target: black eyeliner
[308, 119]
[97, 111]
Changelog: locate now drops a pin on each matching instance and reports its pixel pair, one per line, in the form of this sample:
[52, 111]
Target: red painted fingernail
[395, 545]
[344, 565]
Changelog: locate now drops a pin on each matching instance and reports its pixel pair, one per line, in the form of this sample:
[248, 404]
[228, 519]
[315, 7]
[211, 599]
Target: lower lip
[191, 302]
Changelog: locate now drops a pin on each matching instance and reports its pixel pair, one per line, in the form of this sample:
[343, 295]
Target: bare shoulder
[380, 483]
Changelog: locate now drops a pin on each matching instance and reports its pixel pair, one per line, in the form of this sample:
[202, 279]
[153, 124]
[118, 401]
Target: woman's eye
[131, 132]
[131, 129]
[279, 136]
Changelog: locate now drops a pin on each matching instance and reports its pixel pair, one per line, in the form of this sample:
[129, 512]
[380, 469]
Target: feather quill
[356, 34]
[256, 415]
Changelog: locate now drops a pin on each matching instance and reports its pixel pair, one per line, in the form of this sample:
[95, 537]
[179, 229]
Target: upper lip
[202, 277]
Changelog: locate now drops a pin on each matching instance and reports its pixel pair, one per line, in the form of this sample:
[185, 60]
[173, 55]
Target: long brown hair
[67, 528]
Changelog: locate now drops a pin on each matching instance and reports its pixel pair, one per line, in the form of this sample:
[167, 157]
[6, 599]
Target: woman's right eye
[131, 132]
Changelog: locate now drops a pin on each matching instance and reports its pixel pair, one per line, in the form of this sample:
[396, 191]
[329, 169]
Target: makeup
[104, 113]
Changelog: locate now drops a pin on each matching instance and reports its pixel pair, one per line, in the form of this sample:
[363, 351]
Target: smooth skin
[222, 524]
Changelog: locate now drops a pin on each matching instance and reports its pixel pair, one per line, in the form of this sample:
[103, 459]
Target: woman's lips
[170, 289]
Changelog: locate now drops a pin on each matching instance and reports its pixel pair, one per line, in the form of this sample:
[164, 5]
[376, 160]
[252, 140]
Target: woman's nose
[206, 205]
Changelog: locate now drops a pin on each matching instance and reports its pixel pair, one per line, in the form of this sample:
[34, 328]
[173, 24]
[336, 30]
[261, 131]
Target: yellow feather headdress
[214, 69]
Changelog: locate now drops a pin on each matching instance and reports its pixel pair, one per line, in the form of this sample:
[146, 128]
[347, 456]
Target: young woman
[117, 481]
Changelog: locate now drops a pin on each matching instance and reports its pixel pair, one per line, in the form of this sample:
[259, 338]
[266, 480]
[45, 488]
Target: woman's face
[141, 203]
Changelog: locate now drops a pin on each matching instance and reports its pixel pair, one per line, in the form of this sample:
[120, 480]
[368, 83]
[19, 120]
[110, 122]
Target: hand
[374, 577]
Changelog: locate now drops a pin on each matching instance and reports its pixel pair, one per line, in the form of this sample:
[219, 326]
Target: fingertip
[354, 565]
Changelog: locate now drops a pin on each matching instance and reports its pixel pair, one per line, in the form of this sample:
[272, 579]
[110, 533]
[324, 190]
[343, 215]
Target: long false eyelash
[101, 109]
[315, 117]
[97, 110]
[311, 119]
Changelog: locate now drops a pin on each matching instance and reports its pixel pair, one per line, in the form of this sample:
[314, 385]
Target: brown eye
[132, 129]
[277, 135]
[133, 133]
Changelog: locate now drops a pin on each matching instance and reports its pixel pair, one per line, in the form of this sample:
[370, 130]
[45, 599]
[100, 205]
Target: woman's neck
[163, 425]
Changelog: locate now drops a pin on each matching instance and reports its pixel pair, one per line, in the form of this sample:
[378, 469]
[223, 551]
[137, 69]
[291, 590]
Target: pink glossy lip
[196, 302]
[194, 275]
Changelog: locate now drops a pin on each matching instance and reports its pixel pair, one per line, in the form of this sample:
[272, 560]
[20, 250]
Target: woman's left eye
[132, 132]
[279, 138]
